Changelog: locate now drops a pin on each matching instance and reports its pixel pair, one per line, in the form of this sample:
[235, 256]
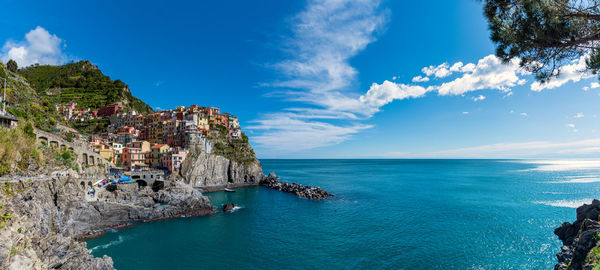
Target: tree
[12, 65]
[545, 34]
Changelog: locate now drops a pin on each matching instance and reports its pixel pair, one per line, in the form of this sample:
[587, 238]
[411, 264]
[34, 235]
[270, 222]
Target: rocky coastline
[309, 192]
[48, 218]
[44, 219]
[581, 240]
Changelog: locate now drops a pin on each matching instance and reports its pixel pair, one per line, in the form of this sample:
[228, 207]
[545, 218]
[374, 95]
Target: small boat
[229, 190]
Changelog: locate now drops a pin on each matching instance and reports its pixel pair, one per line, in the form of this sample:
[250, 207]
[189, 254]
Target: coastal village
[160, 140]
[75, 162]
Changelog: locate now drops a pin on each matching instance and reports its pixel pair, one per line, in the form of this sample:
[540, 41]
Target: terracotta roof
[156, 146]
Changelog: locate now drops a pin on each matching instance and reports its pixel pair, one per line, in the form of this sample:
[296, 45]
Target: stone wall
[85, 154]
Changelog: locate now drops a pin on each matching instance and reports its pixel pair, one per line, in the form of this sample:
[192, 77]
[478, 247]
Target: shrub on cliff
[16, 147]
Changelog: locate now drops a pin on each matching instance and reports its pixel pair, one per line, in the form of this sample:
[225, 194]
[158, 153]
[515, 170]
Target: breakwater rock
[44, 220]
[581, 240]
[309, 192]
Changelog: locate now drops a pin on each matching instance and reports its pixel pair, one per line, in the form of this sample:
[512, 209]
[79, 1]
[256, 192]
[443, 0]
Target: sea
[386, 214]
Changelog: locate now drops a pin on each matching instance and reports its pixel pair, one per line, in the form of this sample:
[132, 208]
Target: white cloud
[478, 98]
[571, 125]
[419, 79]
[326, 34]
[579, 115]
[39, 47]
[470, 67]
[440, 71]
[574, 72]
[456, 67]
[465, 112]
[382, 94]
[489, 73]
[317, 74]
[592, 86]
[285, 132]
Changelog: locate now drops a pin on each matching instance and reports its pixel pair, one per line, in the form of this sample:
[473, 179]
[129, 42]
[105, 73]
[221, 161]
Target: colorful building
[173, 160]
[133, 158]
[158, 151]
[109, 110]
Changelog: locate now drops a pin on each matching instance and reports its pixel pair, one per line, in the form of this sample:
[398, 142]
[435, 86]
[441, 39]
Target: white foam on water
[563, 165]
[566, 203]
[119, 240]
[235, 208]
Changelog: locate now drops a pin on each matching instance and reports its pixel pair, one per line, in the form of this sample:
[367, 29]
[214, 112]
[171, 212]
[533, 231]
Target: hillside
[23, 101]
[83, 83]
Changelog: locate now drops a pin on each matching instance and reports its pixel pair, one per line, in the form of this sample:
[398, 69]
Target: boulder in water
[228, 207]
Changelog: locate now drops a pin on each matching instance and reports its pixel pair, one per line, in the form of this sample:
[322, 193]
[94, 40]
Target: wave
[118, 241]
[566, 203]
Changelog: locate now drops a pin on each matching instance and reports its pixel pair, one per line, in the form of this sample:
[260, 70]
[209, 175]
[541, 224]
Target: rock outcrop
[47, 217]
[229, 207]
[213, 172]
[581, 240]
[309, 192]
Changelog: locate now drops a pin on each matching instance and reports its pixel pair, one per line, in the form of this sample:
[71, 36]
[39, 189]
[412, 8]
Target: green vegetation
[4, 217]
[545, 34]
[236, 150]
[83, 83]
[593, 256]
[92, 126]
[17, 145]
[66, 158]
[12, 65]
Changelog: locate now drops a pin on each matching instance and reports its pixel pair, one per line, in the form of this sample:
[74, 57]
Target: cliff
[42, 220]
[213, 172]
[581, 240]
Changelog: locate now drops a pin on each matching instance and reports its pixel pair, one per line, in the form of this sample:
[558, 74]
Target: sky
[323, 79]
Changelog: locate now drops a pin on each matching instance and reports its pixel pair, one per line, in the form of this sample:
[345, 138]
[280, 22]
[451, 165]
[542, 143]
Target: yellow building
[106, 152]
[158, 151]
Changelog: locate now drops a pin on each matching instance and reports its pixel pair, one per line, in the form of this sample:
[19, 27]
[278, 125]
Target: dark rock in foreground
[229, 207]
[581, 240]
[312, 193]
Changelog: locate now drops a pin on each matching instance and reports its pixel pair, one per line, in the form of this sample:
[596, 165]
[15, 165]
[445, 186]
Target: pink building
[174, 159]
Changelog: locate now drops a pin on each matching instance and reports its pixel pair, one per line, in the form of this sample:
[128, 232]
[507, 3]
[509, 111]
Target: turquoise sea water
[387, 214]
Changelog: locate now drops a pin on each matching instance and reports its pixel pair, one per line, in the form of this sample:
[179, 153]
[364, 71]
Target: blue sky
[323, 79]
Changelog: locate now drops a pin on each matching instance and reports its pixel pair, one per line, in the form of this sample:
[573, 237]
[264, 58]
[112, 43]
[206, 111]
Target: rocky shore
[45, 219]
[581, 240]
[309, 192]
